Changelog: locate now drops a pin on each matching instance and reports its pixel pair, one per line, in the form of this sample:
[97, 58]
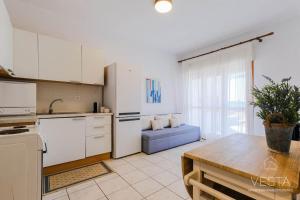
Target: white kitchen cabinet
[98, 144]
[65, 139]
[98, 121]
[59, 60]
[25, 54]
[6, 38]
[92, 66]
[98, 135]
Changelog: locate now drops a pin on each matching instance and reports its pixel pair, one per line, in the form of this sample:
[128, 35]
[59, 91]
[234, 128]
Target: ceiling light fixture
[163, 6]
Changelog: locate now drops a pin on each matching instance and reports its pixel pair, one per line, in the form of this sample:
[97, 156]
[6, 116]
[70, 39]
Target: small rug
[67, 178]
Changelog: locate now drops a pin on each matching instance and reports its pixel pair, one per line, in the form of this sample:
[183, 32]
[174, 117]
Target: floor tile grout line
[145, 197]
[164, 187]
[92, 179]
[55, 192]
[132, 186]
[106, 181]
[158, 190]
[174, 193]
[68, 194]
[100, 188]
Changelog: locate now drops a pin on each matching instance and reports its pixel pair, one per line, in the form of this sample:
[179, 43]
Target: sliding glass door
[216, 92]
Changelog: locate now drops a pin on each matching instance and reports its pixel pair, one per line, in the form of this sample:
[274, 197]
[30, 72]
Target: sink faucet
[51, 104]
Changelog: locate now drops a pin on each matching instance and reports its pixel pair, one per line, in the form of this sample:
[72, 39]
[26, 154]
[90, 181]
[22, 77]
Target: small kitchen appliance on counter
[95, 107]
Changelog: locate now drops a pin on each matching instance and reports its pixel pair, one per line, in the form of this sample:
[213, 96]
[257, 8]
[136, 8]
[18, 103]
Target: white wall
[156, 65]
[6, 38]
[277, 57]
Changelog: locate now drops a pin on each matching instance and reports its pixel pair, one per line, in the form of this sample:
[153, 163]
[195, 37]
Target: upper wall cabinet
[92, 66]
[6, 38]
[25, 54]
[59, 60]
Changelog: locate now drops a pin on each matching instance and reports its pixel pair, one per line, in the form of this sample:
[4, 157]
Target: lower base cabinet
[65, 139]
[70, 139]
[98, 144]
[98, 135]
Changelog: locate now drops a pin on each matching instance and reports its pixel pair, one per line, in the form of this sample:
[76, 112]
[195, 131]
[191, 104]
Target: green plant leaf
[277, 102]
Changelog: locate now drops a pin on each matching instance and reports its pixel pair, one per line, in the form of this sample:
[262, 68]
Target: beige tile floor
[137, 177]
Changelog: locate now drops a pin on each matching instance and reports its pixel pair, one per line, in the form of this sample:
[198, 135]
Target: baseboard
[75, 164]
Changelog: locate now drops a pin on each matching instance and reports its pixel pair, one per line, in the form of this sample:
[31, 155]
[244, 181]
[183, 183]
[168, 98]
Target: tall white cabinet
[59, 60]
[92, 66]
[26, 54]
[6, 38]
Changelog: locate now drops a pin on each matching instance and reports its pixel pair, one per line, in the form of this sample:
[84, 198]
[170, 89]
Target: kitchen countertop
[30, 120]
[65, 115]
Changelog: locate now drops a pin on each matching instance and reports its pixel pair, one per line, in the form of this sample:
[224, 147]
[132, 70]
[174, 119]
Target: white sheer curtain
[217, 90]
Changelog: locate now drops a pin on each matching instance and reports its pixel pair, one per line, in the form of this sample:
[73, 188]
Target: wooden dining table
[241, 167]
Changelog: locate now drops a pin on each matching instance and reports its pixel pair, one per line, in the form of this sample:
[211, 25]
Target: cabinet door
[6, 38]
[98, 144]
[59, 60]
[92, 66]
[65, 139]
[25, 54]
[128, 139]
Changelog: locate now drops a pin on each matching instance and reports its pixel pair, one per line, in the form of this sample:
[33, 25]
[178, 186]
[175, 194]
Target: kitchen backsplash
[76, 98]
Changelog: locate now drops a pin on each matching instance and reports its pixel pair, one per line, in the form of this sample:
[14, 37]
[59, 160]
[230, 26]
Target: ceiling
[191, 24]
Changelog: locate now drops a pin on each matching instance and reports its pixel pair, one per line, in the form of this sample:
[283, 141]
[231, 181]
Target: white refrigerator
[122, 93]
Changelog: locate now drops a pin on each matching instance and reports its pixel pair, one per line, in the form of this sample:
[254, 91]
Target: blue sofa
[155, 141]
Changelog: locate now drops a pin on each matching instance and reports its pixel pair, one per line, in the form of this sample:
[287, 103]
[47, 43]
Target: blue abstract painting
[153, 91]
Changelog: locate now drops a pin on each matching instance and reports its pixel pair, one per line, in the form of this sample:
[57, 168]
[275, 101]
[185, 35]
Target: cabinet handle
[46, 148]
[96, 127]
[99, 117]
[78, 119]
[98, 137]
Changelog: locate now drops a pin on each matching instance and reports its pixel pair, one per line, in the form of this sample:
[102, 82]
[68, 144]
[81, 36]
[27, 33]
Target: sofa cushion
[178, 116]
[165, 119]
[146, 122]
[175, 122]
[168, 132]
[157, 125]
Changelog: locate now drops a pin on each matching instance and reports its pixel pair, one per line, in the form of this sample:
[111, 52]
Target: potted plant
[279, 105]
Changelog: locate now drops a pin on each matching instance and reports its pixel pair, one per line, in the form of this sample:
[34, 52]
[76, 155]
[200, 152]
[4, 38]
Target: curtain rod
[259, 38]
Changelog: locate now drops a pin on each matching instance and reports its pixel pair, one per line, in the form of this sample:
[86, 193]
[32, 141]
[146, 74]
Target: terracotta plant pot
[279, 136]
